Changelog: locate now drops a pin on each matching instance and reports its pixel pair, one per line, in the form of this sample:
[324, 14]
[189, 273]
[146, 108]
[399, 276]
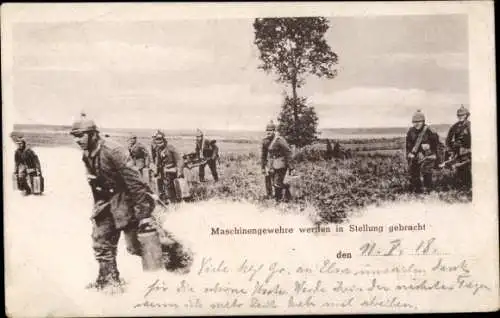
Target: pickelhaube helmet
[16, 136]
[462, 111]
[83, 125]
[271, 126]
[199, 133]
[158, 135]
[418, 116]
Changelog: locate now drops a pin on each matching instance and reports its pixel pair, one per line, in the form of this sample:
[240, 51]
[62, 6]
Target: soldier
[153, 147]
[123, 202]
[276, 159]
[421, 148]
[138, 153]
[169, 166]
[207, 150]
[458, 143]
[27, 164]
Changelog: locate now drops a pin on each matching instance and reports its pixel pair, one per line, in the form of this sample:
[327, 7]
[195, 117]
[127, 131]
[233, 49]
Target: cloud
[383, 106]
[447, 60]
[109, 56]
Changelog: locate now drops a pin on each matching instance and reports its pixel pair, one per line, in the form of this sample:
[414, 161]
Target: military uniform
[169, 166]
[207, 149]
[121, 199]
[122, 202]
[27, 165]
[458, 142]
[424, 157]
[139, 155]
[276, 159]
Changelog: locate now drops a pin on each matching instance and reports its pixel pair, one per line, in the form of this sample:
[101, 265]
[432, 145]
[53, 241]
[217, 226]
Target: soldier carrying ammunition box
[122, 202]
[169, 166]
[138, 153]
[207, 151]
[27, 165]
[276, 160]
[421, 149]
[458, 144]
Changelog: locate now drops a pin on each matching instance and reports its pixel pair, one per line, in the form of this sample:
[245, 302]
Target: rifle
[456, 161]
[430, 157]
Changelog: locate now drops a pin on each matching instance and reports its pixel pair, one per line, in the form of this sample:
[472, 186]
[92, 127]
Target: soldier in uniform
[169, 166]
[122, 201]
[458, 143]
[153, 147]
[138, 153]
[276, 160]
[27, 164]
[207, 149]
[421, 149]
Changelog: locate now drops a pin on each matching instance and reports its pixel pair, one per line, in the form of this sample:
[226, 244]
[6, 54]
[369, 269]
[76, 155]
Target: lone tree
[293, 48]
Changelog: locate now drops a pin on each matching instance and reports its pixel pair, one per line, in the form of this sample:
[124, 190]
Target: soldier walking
[207, 150]
[169, 166]
[458, 143]
[27, 165]
[122, 202]
[421, 150]
[138, 153]
[276, 160]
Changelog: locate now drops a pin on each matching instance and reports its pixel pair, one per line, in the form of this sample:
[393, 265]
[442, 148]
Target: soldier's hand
[411, 155]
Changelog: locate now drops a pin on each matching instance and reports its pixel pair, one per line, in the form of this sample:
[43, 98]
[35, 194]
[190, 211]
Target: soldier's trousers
[464, 176]
[269, 185]
[105, 237]
[24, 180]
[278, 181]
[421, 172]
[168, 187]
[213, 169]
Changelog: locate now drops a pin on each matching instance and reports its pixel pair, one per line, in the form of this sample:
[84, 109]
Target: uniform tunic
[418, 166]
[121, 198]
[207, 149]
[169, 165]
[139, 155]
[279, 150]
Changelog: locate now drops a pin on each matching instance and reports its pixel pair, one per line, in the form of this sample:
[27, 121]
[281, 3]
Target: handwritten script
[226, 284]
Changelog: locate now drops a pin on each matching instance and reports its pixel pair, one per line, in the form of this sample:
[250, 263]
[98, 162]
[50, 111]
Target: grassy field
[375, 173]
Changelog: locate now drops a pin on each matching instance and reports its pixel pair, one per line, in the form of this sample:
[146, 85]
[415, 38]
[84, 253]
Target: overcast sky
[203, 73]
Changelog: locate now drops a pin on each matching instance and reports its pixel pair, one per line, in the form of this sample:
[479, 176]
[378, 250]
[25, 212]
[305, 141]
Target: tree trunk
[294, 96]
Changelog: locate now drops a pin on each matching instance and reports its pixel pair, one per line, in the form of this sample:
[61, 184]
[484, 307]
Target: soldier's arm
[409, 146]
[179, 162]
[434, 141]
[450, 137]
[263, 158]
[145, 153]
[33, 159]
[17, 161]
[215, 153]
[287, 152]
[467, 141]
[137, 190]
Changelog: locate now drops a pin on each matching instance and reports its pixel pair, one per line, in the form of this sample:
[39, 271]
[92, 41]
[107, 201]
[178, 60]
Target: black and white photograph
[181, 159]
